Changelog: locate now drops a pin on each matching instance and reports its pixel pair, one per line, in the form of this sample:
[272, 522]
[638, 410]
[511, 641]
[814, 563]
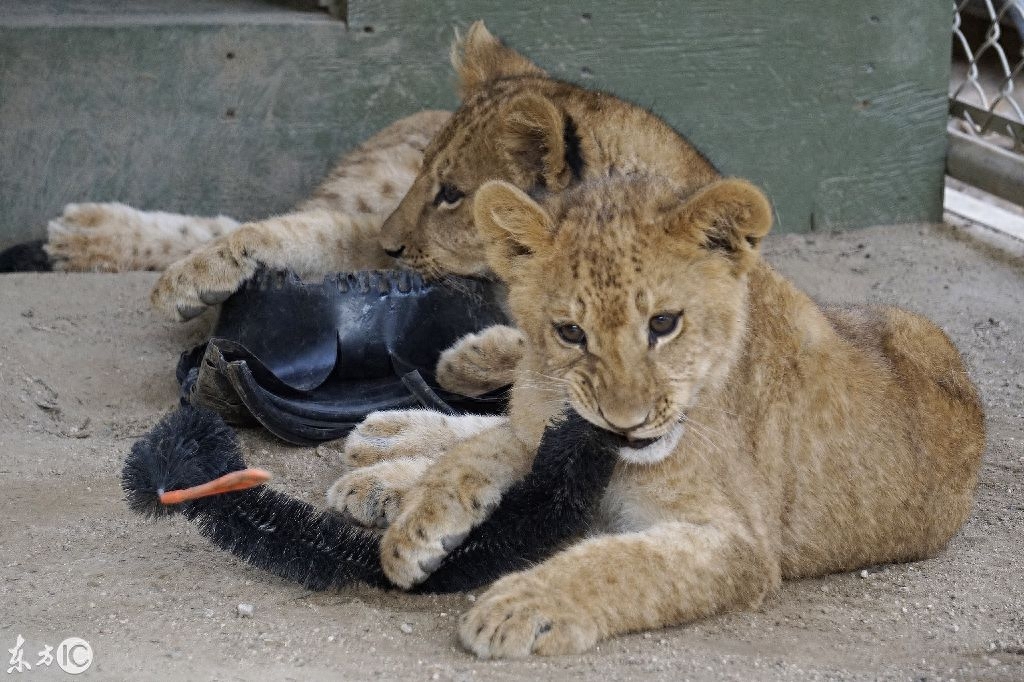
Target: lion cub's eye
[663, 324]
[572, 334]
[448, 195]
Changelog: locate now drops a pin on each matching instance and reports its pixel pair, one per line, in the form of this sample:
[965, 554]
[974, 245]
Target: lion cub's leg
[669, 574]
[113, 237]
[455, 494]
[387, 455]
[311, 243]
[481, 362]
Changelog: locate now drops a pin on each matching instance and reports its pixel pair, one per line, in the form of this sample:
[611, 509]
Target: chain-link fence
[987, 84]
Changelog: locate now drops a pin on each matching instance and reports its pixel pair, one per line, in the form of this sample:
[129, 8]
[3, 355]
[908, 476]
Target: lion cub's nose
[624, 423]
[395, 253]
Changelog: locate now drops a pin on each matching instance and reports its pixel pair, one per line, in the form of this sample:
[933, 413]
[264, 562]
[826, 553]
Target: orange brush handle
[236, 480]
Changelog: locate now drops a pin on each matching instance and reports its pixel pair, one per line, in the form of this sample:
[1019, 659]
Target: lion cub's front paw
[433, 521]
[371, 496]
[205, 278]
[520, 616]
[394, 434]
[481, 362]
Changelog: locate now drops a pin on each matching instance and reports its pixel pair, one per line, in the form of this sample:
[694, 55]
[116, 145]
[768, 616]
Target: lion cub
[763, 437]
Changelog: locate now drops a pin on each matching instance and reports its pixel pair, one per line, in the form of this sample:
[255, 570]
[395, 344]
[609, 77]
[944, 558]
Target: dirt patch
[86, 367]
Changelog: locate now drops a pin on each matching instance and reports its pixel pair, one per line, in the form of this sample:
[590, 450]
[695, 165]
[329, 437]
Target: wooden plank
[203, 117]
[837, 109]
[984, 213]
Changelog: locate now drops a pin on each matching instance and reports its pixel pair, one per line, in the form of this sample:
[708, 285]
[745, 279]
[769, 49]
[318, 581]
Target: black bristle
[26, 257]
[187, 448]
[290, 538]
[261, 526]
[554, 504]
[293, 539]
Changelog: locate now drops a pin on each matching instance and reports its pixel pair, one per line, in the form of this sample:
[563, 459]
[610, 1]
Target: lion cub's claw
[409, 555]
[431, 525]
[517, 617]
[372, 496]
[203, 279]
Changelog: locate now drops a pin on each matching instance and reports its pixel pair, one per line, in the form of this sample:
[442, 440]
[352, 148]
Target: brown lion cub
[764, 437]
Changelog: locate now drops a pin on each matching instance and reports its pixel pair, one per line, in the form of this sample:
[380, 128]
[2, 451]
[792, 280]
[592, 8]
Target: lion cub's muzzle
[647, 450]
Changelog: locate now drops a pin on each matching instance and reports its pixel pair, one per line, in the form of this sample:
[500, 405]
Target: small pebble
[864, 573]
[246, 610]
[406, 628]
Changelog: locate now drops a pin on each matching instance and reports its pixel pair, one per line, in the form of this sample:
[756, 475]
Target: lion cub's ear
[731, 216]
[534, 140]
[480, 58]
[512, 225]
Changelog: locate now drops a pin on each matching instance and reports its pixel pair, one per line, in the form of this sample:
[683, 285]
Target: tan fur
[455, 493]
[481, 362]
[113, 237]
[513, 125]
[359, 496]
[388, 453]
[804, 440]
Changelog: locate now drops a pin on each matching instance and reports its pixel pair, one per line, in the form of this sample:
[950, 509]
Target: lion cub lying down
[763, 437]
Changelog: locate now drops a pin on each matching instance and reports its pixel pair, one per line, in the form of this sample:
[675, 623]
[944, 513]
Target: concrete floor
[86, 367]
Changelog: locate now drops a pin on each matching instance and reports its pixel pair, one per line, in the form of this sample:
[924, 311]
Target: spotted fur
[519, 125]
[336, 229]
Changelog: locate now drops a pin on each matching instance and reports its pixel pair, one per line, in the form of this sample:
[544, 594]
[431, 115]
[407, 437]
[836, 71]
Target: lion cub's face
[432, 229]
[631, 297]
[503, 130]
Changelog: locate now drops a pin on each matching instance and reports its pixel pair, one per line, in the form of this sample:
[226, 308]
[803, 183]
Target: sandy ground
[86, 367]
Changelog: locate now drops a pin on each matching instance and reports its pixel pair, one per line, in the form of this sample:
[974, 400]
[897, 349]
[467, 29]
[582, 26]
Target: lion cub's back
[373, 177]
[949, 422]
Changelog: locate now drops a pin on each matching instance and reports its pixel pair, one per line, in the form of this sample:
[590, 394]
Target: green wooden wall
[223, 106]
